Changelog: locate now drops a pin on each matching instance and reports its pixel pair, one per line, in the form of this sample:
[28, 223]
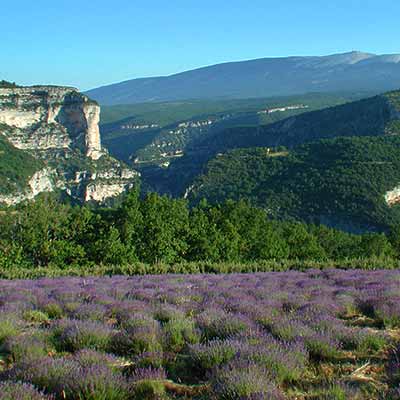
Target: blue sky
[88, 43]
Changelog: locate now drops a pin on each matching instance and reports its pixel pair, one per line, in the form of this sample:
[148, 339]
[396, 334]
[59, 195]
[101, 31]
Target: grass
[196, 268]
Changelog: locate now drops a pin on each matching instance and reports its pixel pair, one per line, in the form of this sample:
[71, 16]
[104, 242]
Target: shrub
[92, 312]
[371, 341]
[96, 382]
[286, 362]
[53, 310]
[46, 374]
[147, 384]
[36, 316]
[26, 347]
[88, 358]
[321, 346]
[244, 381]
[21, 391]
[73, 335]
[393, 367]
[140, 335]
[9, 327]
[178, 332]
[149, 359]
[216, 324]
[389, 313]
[339, 392]
[165, 313]
[285, 328]
[204, 357]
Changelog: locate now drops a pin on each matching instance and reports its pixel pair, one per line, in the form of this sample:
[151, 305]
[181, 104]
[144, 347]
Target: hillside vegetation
[340, 182]
[366, 117]
[375, 116]
[16, 167]
[153, 133]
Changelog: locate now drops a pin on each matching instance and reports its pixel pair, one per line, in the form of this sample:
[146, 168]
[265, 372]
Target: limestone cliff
[47, 117]
[60, 126]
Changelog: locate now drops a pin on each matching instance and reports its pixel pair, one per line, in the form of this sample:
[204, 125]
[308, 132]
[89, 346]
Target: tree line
[159, 229]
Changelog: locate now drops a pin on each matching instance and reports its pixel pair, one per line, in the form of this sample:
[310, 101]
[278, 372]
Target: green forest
[158, 230]
[16, 167]
[339, 181]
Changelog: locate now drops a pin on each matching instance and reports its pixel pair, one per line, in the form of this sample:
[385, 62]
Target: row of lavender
[258, 336]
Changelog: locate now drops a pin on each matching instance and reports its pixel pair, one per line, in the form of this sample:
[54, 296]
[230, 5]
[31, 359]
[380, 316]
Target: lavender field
[295, 335]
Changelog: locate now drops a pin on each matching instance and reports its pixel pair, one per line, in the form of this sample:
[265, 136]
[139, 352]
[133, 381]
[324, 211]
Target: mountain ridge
[261, 77]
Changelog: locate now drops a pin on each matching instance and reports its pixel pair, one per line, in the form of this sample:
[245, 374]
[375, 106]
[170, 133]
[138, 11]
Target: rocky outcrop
[60, 126]
[92, 138]
[100, 192]
[44, 180]
[47, 117]
[392, 197]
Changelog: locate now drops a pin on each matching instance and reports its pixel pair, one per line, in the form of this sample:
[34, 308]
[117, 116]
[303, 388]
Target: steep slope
[157, 133]
[54, 131]
[350, 183]
[376, 116]
[368, 117]
[262, 78]
[16, 167]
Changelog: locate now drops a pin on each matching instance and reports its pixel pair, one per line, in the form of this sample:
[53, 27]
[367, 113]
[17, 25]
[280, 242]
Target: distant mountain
[265, 77]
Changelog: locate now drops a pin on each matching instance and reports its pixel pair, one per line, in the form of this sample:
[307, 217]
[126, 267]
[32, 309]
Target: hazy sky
[87, 43]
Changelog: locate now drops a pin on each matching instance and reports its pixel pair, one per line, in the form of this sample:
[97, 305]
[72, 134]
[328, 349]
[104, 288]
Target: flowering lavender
[238, 336]
[139, 334]
[204, 357]
[217, 324]
[26, 347]
[88, 358]
[244, 381]
[95, 382]
[21, 391]
[47, 374]
[73, 335]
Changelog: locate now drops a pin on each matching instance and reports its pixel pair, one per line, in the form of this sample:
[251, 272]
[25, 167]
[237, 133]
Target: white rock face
[93, 144]
[46, 117]
[41, 181]
[392, 197]
[102, 191]
[60, 126]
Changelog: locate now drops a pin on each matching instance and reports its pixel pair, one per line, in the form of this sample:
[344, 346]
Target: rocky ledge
[47, 117]
[60, 126]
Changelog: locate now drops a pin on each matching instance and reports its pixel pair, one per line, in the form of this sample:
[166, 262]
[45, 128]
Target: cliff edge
[60, 127]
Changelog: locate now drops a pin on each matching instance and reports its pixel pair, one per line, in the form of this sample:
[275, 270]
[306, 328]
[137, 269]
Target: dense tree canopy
[340, 182]
[158, 229]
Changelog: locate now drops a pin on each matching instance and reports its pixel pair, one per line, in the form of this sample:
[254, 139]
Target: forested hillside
[158, 133]
[340, 182]
[375, 116]
[16, 167]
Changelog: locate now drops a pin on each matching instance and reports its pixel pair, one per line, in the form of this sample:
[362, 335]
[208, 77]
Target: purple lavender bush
[21, 391]
[26, 347]
[244, 381]
[238, 336]
[73, 335]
